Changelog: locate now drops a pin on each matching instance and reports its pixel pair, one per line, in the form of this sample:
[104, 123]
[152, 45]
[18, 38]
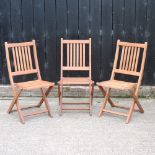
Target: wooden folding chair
[76, 57]
[129, 60]
[22, 60]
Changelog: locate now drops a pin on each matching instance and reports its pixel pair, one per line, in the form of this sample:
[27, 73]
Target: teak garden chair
[128, 62]
[22, 60]
[76, 57]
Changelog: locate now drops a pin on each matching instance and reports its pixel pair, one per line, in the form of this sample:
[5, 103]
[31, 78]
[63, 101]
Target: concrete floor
[77, 133]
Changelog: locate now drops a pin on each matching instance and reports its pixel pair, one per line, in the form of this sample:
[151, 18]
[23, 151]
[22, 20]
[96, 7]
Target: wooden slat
[76, 41]
[24, 59]
[75, 68]
[125, 57]
[14, 58]
[68, 55]
[71, 55]
[128, 56]
[20, 44]
[24, 72]
[134, 58]
[131, 57]
[80, 55]
[29, 56]
[77, 55]
[75, 103]
[114, 112]
[83, 55]
[131, 44]
[36, 113]
[126, 72]
[17, 58]
[20, 58]
[122, 56]
[137, 58]
[74, 54]
[75, 109]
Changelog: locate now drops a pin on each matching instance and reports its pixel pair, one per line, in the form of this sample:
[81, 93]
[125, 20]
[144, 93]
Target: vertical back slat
[77, 55]
[127, 60]
[71, 64]
[83, 55]
[131, 57]
[74, 52]
[24, 60]
[14, 58]
[124, 59]
[134, 57]
[122, 56]
[17, 58]
[29, 56]
[20, 58]
[68, 55]
[137, 58]
[80, 55]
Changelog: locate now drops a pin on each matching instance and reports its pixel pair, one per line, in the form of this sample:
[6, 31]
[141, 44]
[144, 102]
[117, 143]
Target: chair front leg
[104, 102]
[46, 94]
[135, 101]
[141, 110]
[60, 94]
[104, 94]
[20, 113]
[91, 90]
[46, 102]
[16, 95]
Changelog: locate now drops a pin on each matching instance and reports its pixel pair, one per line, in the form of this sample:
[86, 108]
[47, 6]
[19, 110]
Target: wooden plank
[72, 18]
[107, 56]
[5, 35]
[27, 27]
[61, 28]
[95, 26]
[27, 20]
[39, 34]
[149, 71]
[14, 58]
[140, 20]
[118, 20]
[129, 21]
[83, 19]
[50, 40]
[16, 20]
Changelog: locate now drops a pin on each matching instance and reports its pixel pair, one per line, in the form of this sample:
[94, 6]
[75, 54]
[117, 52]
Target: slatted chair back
[22, 59]
[76, 56]
[127, 59]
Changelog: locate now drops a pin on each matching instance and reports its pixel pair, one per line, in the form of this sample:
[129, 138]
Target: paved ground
[77, 133]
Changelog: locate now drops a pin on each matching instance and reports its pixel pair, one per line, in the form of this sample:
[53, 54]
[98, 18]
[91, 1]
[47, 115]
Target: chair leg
[104, 94]
[60, 93]
[141, 110]
[104, 102]
[130, 112]
[16, 95]
[46, 102]
[91, 91]
[46, 93]
[20, 113]
[135, 101]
